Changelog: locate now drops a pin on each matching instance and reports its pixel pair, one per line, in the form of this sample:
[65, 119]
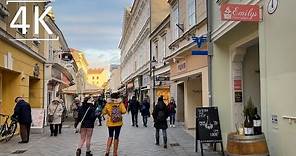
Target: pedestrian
[87, 117]
[145, 111]
[114, 109]
[64, 115]
[134, 107]
[55, 112]
[172, 112]
[22, 114]
[74, 108]
[100, 104]
[160, 115]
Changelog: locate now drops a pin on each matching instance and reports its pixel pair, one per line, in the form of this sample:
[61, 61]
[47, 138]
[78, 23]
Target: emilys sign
[238, 12]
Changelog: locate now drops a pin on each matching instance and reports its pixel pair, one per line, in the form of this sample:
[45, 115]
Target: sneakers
[165, 146]
[88, 153]
[174, 126]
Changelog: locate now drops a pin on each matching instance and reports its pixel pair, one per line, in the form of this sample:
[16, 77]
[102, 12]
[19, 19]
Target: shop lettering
[236, 12]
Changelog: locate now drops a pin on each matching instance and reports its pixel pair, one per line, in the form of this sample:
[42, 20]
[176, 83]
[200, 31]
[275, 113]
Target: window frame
[191, 12]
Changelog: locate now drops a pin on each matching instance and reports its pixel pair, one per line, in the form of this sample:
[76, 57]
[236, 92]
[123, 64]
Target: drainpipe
[210, 51]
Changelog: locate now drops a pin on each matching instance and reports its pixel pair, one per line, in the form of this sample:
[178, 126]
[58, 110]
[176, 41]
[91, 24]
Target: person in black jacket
[134, 107]
[145, 111]
[88, 110]
[22, 113]
[160, 115]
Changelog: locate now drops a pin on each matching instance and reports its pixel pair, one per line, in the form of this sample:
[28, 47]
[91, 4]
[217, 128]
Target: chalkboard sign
[208, 125]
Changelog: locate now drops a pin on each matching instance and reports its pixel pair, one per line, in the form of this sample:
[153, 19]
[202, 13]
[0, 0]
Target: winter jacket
[56, 109]
[22, 112]
[172, 107]
[160, 108]
[109, 110]
[90, 118]
[145, 108]
[134, 106]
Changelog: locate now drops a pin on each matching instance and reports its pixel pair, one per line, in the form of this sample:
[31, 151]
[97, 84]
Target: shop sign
[238, 12]
[181, 66]
[37, 117]
[238, 96]
[146, 80]
[237, 84]
[162, 78]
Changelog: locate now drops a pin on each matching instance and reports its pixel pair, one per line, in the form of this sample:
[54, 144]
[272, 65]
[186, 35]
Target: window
[191, 12]
[175, 21]
[93, 77]
[97, 77]
[164, 45]
[156, 51]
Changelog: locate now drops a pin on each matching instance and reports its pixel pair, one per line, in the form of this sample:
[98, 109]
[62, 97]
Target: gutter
[210, 51]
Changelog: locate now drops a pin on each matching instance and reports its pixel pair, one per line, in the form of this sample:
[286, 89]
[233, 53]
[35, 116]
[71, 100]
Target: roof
[95, 70]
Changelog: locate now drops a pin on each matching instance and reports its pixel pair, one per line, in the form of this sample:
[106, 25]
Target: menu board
[208, 125]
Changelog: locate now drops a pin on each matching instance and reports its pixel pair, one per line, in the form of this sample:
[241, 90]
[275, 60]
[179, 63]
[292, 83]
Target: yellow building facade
[21, 63]
[97, 76]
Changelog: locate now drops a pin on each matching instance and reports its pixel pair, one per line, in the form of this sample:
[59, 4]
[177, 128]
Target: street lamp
[153, 66]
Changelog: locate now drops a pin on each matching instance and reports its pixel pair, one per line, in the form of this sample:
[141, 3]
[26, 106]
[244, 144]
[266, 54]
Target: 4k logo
[22, 13]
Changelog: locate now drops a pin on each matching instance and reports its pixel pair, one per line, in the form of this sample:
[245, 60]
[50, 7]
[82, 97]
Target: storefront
[145, 86]
[189, 77]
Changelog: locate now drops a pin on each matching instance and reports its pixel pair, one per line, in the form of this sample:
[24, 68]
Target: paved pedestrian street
[133, 142]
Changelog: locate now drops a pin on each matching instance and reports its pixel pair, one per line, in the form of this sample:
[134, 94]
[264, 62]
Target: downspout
[210, 51]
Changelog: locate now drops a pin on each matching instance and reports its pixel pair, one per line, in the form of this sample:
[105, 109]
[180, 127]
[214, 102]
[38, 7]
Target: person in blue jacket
[22, 114]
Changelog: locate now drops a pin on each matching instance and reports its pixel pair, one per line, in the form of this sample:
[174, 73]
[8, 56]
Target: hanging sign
[239, 12]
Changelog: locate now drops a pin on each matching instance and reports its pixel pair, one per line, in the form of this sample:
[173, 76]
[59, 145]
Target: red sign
[238, 12]
[237, 84]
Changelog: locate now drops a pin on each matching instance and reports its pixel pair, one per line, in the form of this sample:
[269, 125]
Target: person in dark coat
[88, 110]
[160, 115]
[172, 112]
[134, 107]
[100, 104]
[22, 113]
[145, 111]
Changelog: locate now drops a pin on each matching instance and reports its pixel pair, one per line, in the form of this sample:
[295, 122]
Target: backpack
[116, 115]
[161, 116]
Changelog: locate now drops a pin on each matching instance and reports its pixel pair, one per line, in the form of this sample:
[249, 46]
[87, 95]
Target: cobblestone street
[133, 142]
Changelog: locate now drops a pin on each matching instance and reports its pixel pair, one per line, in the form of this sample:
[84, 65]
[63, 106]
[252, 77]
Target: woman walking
[145, 107]
[160, 115]
[55, 112]
[114, 109]
[172, 112]
[86, 115]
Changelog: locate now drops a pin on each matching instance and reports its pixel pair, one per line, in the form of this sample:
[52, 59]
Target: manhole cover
[175, 144]
[19, 152]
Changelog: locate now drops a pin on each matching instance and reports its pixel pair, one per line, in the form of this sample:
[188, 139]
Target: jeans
[172, 118]
[145, 120]
[135, 119]
[60, 128]
[164, 133]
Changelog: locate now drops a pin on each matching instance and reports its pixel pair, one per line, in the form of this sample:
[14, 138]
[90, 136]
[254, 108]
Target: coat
[57, 115]
[22, 112]
[90, 118]
[109, 110]
[160, 123]
[172, 107]
[134, 106]
[145, 108]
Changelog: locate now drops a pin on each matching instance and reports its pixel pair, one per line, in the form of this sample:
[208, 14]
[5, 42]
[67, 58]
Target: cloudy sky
[93, 26]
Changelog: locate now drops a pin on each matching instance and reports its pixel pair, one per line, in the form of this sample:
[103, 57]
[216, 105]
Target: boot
[109, 143]
[115, 147]
[78, 152]
[88, 153]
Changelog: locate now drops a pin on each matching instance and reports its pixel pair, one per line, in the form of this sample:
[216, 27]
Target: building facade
[97, 76]
[114, 81]
[21, 62]
[188, 72]
[139, 21]
[255, 60]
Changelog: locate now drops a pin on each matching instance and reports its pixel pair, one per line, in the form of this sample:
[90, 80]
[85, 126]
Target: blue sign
[199, 40]
[200, 52]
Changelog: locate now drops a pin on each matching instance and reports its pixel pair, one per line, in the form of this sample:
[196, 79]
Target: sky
[92, 26]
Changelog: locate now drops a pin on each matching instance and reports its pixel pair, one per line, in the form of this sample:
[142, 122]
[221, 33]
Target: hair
[115, 95]
[17, 98]
[160, 98]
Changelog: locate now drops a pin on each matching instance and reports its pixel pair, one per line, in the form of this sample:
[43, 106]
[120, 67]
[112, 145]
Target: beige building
[256, 59]
[114, 81]
[188, 73]
[139, 21]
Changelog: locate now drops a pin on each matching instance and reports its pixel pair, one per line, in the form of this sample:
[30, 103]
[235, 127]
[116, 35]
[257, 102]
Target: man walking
[22, 113]
[134, 107]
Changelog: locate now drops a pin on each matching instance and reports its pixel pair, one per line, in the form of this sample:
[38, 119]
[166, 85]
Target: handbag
[78, 127]
[50, 118]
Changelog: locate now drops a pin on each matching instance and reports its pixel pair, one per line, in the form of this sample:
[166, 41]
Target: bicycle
[7, 130]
